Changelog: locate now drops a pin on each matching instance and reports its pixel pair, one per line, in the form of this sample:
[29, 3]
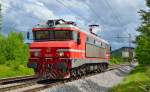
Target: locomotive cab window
[41, 35]
[75, 36]
[78, 39]
[53, 35]
[62, 35]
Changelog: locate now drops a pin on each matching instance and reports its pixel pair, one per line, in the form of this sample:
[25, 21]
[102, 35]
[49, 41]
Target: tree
[0, 17]
[15, 49]
[2, 57]
[143, 40]
[2, 49]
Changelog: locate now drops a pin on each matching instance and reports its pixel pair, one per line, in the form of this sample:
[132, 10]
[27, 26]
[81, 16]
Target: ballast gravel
[97, 83]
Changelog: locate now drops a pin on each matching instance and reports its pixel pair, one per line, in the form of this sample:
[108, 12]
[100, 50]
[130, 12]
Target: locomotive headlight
[36, 53]
[61, 54]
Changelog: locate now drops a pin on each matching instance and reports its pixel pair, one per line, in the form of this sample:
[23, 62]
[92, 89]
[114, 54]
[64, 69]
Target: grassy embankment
[12, 71]
[116, 60]
[137, 81]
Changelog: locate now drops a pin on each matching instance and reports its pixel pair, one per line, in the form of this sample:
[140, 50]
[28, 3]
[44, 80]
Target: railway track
[16, 79]
[112, 67]
[39, 85]
[19, 85]
[11, 83]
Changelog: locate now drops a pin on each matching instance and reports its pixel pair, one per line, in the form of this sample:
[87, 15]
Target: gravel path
[97, 83]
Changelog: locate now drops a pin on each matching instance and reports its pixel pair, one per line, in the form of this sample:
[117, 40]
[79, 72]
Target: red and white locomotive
[61, 50]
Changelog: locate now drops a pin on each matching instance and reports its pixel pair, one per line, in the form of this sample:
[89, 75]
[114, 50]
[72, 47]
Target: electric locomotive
[60, 50]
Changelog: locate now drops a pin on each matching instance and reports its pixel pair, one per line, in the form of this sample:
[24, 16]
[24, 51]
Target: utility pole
[129, 37]
[130, 54]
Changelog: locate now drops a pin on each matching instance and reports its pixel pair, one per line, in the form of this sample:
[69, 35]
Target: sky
[115, 17]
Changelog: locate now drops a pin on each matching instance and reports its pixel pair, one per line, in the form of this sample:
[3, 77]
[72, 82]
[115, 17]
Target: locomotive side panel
[94, 52]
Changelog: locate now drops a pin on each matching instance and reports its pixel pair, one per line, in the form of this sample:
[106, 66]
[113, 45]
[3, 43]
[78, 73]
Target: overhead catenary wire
[116, 10]
[94, 12]
[113, 12]
[73, 11]
[116, 15]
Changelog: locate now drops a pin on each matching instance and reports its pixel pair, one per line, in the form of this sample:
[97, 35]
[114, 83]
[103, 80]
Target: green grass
[116, 60]
[12, 71]
[137, 81]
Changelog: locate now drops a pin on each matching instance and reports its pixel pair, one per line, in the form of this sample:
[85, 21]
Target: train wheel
[72, 73]
[80, 72]
[105, 66]
[87, 69]
[84, 70]
[96, 68]
[102, 67]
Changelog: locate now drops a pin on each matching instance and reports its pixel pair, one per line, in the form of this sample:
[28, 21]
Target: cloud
[117, 17]
[38, 10]
[24, 14]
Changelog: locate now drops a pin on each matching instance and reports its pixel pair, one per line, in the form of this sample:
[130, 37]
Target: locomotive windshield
[52, 35]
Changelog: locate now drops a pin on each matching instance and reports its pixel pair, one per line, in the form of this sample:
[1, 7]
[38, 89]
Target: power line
[114, 14]
[92, 9]
[129, 37]
[94, 12]
[115, 11]
[73, 11]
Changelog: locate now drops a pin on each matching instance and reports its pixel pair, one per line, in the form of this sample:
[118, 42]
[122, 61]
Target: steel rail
[21, 85]
[16, 79]
[112, 67]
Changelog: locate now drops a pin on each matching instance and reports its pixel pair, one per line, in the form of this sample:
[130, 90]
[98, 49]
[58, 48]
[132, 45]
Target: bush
[116, 60]
[113, 61]
[12, 48]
